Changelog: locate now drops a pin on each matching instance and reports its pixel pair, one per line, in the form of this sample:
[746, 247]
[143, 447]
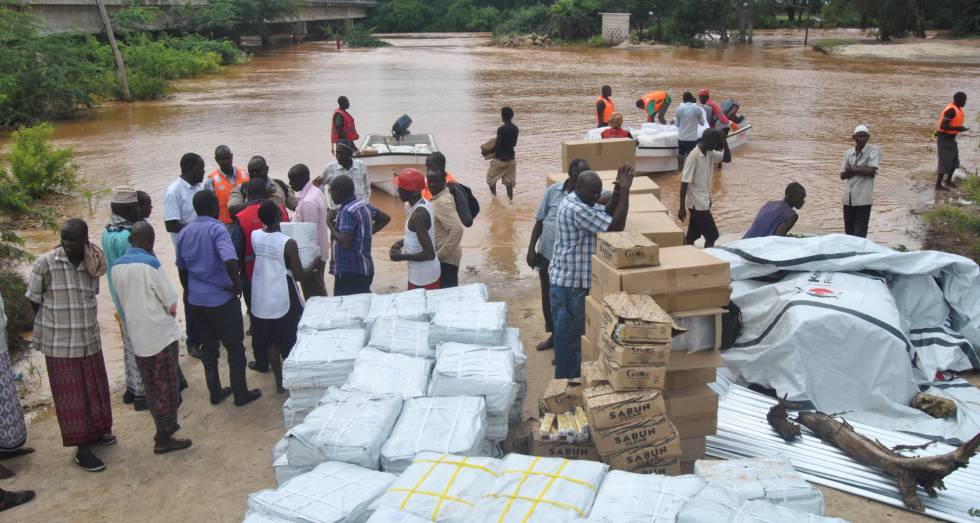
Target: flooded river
[803, 106]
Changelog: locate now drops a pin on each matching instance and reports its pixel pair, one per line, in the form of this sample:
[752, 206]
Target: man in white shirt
[858, 171]
[311, 208]
[347, 165]
[689, 119]
[150, 304]
[178, 211]
[696, 186]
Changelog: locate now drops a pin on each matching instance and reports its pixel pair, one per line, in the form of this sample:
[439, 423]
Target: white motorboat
[385, 156]
[657, 159]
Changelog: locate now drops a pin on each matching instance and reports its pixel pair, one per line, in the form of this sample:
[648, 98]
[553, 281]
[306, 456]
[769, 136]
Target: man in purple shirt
[208, 267]
[777, 217]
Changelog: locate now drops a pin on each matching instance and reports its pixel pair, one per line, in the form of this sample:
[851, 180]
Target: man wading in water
[950, 125]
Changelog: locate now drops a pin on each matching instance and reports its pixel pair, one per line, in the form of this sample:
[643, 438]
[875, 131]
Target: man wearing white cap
[858, 172]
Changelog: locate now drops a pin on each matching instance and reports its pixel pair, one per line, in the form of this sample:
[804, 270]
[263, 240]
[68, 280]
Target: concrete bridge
[61, 16]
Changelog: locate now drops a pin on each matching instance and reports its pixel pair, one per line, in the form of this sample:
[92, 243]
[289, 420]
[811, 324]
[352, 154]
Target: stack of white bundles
[642, 498]
[332, 492]
[399, 336]
[471, 370]
[772, 479]
[349, 427]
[497, 426]
[513, 340]
[448, 425]
[538, 489]
[437, 485]
[471, 293]
[475, 323]
[305, 235]
[322, 359]
[386, 373]
[338, 312]
[280, 463]
[393, 515]
[718, 504]
[408, 305]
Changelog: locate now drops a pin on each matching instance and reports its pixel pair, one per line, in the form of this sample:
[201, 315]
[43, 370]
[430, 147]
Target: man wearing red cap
[712, 111]
[418, 248]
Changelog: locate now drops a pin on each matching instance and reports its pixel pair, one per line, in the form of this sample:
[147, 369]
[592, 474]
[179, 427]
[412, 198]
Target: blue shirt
[578, 224]
[203, 247]
[354, 218]
[114, 245]
[548, 216]
[770, 217]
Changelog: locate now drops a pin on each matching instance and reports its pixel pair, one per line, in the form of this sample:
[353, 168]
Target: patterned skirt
[161, 376]
[13, 429]
[134, 381]
[80, 389]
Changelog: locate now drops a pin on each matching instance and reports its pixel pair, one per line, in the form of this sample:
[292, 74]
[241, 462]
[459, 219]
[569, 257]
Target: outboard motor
[730, 108]
[400, 128]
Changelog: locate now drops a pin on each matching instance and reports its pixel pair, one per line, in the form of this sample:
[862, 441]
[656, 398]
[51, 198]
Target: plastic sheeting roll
[382, 372]
[449, 425]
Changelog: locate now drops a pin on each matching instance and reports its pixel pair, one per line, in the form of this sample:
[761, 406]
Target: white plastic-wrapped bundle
[253, 517]
[350, 427]
[642, 498]
[338, 312]
[497, 426]
[332, 492]
[470, 370]
[538, 489]
[718, 504]
[321, 359]
[471, 293]
[512, 338]
[448, 425]
[382, 372]
[293, 415]
[399, 336]
[408, 305]
[475, 323]
[285, 472]
[436, 485]
[393, 515]
[772, 479]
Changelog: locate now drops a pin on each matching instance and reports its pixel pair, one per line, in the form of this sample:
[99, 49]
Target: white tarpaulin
[472, 293]
[772, 479]
[626, 497]
[436, 485]
[331, 493]
[449, 425]
[471, 322]
[838, 344]
[307, 241]
[470, 370]
[336, 312]
[383, 372]
[322, 359]
[533, 489]
[349, 427]
[399, 336]
[717, 504]
[408, 305]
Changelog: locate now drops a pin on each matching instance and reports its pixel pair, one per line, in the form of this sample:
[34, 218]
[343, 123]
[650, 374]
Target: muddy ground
[915, 50]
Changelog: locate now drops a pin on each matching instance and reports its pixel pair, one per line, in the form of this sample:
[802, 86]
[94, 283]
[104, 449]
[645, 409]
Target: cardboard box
[638, 458]
[630, 355]
[681, 269]
[657, 226]
[607, 408]
[693, 448]
[687, 467]
[704, 359]
[593, 319]
[703, 329]
[561, 396]
[689, 378]
[635, 319]
[589, 350]
[635, 377]
[641, 203]
[559, 449]
[518, 438]
[691, 428]
[601, 154]
[691, 402]
[649, 431]
[592, 373]
[694, 300]
[627, 249]
[642, 184]
[664, 467]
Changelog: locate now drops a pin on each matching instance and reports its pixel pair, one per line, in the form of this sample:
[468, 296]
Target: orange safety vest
[349, 130]
[427, 194]
[657, 97]
[957, 120]
[223, 188]
[607, 112]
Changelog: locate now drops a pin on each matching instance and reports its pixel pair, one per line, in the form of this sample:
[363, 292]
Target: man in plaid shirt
[579, 219]
[351, 225]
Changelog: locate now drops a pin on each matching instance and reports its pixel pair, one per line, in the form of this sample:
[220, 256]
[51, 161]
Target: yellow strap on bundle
[540, 498]
[412, 491]
[444, 495]
[520, 484]
[445, 492]
[551, 481]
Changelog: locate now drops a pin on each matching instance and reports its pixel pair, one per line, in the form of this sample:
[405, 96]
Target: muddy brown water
[803, 106]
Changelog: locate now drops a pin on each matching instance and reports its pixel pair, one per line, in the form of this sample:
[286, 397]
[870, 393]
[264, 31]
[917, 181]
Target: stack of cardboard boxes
[693, 287]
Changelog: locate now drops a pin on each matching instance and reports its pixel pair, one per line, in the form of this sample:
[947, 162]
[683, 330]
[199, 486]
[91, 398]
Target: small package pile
[454, 296]
[338, 312]
[399, 336]
[625, 497]
[437, 485]
[719, 504]
[693, 287]
[470, 370]
[772, 479]
[563, 430]
[332, 492]
[387, 373]
[474, 323]
[408, 305]
[447, 425]
[319, 360]
[537, 489]
[349, 427]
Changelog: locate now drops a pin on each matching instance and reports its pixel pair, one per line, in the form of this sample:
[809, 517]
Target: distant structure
[615, 27]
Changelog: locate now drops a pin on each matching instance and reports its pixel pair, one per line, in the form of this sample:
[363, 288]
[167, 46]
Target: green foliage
[356, 36]
[152, 63]
[18, 309]
[134, 18]
[37, 168]
[954, 229]
[971, 188]
[228, 17]
[527, 19]
[575, 19]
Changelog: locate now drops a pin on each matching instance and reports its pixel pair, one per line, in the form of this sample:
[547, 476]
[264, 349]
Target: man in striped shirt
[351, 225]
[580, 217]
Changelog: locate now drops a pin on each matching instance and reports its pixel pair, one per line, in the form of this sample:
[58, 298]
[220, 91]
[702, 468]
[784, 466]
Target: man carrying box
[579, 219]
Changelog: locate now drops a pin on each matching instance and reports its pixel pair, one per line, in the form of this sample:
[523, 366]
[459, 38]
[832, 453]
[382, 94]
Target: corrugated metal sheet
[744, 433]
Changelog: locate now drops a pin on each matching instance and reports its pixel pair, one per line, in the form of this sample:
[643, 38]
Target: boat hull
[664, 159]
[382, 169]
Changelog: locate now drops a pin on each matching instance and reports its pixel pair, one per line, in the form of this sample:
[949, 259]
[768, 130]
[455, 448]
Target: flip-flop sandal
[12, 498]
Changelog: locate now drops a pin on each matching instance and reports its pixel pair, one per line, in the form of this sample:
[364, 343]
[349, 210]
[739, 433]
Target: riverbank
[964, 51]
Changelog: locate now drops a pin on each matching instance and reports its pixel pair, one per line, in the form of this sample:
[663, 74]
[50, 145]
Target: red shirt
[615, 133]
[248, 220]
